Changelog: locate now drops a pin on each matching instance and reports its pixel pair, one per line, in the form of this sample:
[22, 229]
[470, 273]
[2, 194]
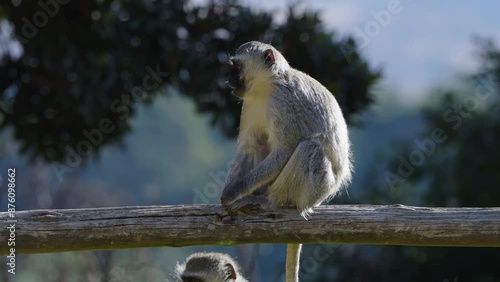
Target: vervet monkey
[293, 143]
[209, 267]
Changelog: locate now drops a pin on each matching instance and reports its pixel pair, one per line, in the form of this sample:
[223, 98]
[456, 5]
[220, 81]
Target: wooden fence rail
[43, 231]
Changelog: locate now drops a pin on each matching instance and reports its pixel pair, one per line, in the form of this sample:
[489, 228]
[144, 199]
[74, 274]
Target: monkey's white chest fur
[254, 122]
[254, 126]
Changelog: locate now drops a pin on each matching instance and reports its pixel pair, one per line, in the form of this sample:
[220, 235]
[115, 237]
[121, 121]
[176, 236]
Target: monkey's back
[309, 110]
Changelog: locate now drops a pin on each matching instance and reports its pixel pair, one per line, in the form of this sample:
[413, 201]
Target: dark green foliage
[87, 62]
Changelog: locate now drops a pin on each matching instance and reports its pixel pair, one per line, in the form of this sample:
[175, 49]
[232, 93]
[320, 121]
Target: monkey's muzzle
[235, 81]
[237, 91]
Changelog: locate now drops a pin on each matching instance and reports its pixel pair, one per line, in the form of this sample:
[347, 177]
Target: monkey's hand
[251, 204]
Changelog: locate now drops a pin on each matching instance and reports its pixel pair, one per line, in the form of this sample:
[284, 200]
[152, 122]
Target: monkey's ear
[231, 273]
[269, 58]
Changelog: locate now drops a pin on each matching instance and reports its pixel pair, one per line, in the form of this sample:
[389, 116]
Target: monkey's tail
[292, 262]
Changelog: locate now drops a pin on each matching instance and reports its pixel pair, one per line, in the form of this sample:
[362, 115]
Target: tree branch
[43, 231]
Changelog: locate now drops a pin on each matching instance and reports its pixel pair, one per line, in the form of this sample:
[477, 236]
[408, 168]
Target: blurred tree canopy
[461, 167]
[453, 161]
[85, 65]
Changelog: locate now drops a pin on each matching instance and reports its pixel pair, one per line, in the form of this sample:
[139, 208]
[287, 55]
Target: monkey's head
[255, 66]
[209, 267]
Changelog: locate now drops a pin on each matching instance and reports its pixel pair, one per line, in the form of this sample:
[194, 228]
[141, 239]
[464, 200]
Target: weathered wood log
[42, 231]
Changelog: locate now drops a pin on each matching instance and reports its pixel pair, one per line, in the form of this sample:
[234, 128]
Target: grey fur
[209, 267]
[293, 142]
[302, 152]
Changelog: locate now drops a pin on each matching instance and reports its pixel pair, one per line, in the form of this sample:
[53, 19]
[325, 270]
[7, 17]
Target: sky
[418, 44]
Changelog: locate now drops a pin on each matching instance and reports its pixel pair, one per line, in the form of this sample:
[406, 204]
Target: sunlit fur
[293, 144]
[283, 106]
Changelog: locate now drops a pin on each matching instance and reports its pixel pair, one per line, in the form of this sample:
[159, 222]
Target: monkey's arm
[265, 172]
[242, 163]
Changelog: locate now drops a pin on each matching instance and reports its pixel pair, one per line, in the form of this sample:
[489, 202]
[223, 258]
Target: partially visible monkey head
[254, 66]
[209, 267]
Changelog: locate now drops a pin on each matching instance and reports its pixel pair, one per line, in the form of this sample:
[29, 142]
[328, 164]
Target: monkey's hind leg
[306, 180]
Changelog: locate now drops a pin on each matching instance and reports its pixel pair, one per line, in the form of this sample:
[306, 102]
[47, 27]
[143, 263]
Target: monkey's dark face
[235, 78]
